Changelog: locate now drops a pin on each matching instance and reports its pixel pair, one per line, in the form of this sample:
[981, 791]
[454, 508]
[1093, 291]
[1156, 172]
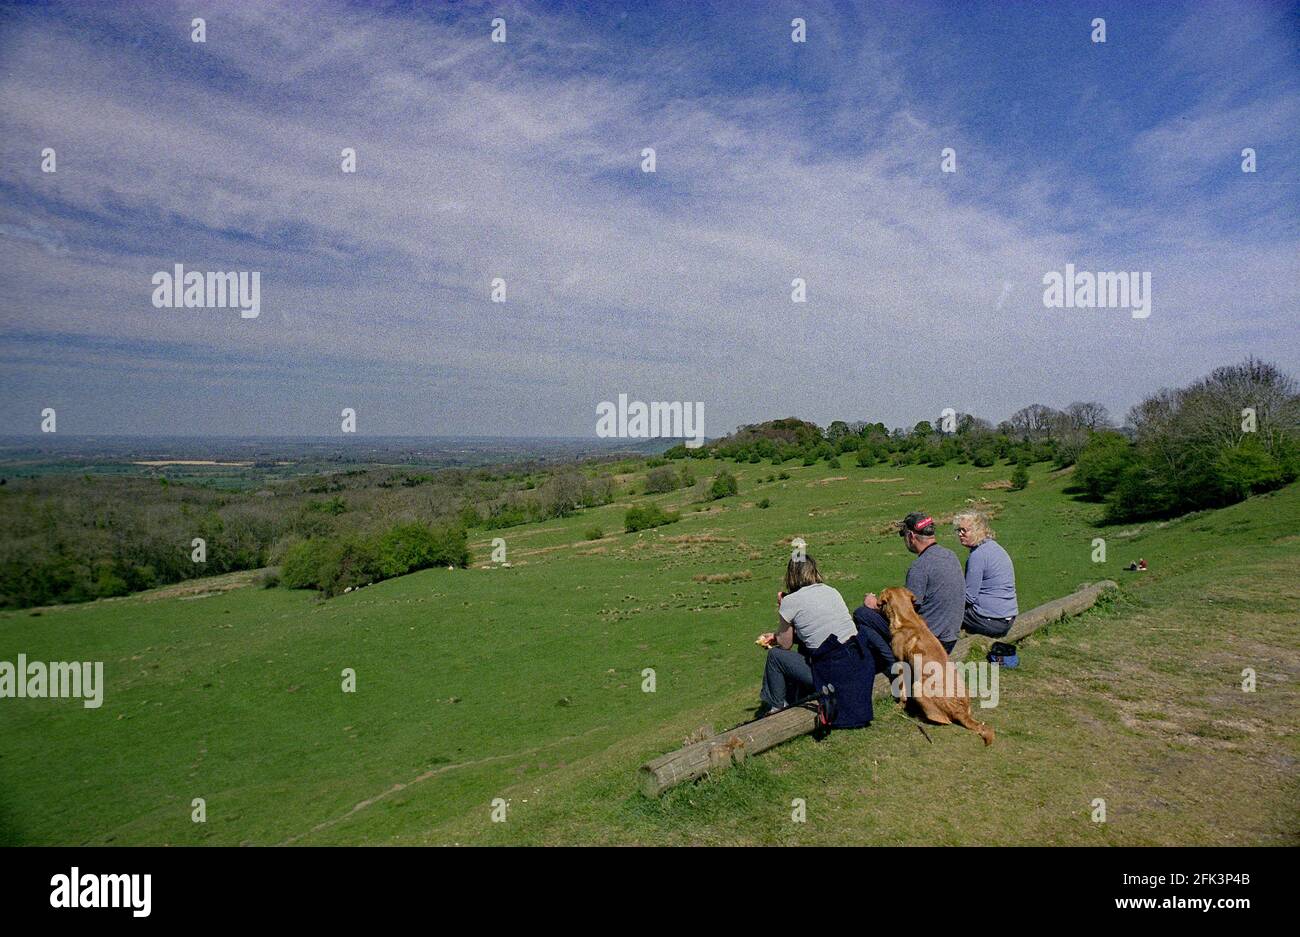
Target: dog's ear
[911, 595]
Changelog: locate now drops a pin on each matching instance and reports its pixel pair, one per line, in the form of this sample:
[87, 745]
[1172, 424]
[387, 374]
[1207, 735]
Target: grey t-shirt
[817, 612]
[936, 579]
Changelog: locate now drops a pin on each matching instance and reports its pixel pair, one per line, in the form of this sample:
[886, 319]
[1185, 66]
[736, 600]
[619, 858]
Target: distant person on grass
[936, 580]
[815, 615]
[991, 607]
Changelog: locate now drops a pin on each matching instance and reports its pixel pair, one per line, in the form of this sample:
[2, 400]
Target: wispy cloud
[478, 160]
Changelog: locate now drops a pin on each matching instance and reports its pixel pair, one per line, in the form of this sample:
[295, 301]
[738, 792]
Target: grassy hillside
[525, 683]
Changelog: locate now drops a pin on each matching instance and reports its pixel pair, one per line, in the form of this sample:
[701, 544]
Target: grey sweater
[991, 581]
[935, 578]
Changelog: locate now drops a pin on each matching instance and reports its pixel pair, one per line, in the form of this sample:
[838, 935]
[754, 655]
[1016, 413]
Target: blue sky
[521, 160]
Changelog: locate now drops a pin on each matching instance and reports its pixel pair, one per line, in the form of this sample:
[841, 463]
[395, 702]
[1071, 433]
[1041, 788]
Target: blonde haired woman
[991, 607]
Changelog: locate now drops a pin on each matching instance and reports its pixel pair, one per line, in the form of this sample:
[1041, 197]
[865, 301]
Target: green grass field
[525, 683]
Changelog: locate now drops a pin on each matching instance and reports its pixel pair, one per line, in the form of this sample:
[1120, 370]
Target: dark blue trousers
[873, 632]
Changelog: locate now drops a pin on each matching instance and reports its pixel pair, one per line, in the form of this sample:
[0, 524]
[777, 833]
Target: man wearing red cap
[935, 578]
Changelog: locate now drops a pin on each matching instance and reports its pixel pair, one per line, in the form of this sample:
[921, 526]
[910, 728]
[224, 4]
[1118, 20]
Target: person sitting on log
[934, 577]
[814, 614]
[991, 607]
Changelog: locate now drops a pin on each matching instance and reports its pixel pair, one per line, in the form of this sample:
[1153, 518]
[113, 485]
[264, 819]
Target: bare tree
[963, 423]
[1090, 416]
[1216, 405]
[1035, 421]
[1207, 416]
[563, 494]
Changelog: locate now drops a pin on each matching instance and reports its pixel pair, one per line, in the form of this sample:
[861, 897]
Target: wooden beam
[716, 754]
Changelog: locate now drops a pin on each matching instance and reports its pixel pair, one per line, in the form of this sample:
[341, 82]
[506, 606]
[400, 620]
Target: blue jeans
[787, 678]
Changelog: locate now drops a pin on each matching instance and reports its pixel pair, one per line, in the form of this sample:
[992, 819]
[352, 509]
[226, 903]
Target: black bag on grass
[1004, 655]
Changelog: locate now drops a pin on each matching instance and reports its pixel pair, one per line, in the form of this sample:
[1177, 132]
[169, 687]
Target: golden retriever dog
[911, 638]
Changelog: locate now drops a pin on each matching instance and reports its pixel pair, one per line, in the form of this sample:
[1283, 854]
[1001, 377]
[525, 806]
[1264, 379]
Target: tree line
[1222, 438]
[77, 538]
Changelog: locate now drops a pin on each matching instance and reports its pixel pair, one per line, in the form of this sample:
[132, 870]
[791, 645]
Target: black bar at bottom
[330, 886]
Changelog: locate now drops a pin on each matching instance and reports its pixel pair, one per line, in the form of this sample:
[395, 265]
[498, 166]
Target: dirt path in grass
[433, 772]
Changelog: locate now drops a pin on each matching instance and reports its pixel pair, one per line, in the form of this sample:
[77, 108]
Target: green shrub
[765, 503]
[645, 516]
[506, 514]
[594, 533]
[333, 565]
[666, 478]
[410, 547]
[334, 506]
[302, 561]
[141, 577]
[1247, 469]
[723, 486]
[660, 480]
[1140, 492]
[353, 561]
[1020, 478]
[109, 585]
[1101, 464]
